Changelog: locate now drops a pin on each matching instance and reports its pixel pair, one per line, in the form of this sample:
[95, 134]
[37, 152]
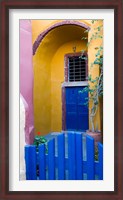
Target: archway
[49, 50]
[62, 23]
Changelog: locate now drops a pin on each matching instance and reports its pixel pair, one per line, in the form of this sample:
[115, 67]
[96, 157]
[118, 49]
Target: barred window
[77, 68]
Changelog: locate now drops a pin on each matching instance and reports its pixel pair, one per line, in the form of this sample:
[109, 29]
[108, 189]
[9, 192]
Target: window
[77, 70]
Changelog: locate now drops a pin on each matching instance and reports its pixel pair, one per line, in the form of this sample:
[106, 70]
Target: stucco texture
[48, 66]
[26, 75]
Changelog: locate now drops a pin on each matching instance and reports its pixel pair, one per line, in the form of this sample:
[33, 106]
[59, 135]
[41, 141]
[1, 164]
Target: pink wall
[26, 72]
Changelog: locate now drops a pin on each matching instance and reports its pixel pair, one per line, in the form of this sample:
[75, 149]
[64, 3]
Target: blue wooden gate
[68, 158]
[76, 110]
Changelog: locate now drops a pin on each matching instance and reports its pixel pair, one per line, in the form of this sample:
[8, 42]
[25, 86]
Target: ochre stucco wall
[48, 66]
[94, 71]
[57, 78]
[42, 90]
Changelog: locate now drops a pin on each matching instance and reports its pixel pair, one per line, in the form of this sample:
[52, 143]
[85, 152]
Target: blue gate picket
[42, 162]
[71, 156]
[51, 159]
[73, 163]
[79, 157]
[90, 158]
[61, 157]
[100, 148]
[30, 157]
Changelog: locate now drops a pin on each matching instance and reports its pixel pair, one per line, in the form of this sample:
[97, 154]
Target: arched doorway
[49, 51]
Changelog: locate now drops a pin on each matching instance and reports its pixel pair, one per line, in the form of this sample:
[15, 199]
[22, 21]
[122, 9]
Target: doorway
[76, 110]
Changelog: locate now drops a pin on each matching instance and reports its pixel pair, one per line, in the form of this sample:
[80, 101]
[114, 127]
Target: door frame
[66, 83]
[64, 86]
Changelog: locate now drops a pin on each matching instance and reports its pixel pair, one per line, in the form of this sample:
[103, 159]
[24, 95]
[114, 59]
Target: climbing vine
[95, 85]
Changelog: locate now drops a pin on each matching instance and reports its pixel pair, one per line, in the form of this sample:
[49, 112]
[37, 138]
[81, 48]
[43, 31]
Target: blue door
[76, 111]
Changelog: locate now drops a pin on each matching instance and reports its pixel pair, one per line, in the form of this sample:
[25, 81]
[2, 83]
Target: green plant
[95, 85]
[37, 141]
[40, 140]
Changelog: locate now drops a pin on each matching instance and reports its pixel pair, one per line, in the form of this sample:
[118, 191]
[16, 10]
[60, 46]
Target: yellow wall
[48, 63]
[57, 78]
[38, 26]
[42, 94]
[94, 71]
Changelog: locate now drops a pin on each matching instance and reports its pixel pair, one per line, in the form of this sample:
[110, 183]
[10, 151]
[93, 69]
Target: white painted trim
[74, 84]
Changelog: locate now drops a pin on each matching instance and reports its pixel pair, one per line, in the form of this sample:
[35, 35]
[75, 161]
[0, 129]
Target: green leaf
[98, 28]
[84, 38]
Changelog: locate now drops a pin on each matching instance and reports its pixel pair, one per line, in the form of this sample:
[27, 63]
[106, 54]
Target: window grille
[77, 68]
